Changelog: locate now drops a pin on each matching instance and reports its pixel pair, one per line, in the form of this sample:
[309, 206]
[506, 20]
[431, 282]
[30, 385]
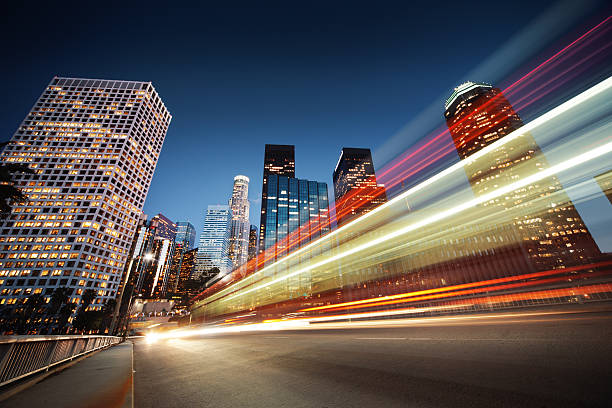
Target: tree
[9, 194]
[87, 320]
[108, 310]
[59, 309]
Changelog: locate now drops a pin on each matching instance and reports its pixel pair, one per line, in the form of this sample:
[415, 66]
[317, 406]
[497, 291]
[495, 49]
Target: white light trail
[562, 109]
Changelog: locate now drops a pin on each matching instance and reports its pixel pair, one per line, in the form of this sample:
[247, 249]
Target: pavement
[510, 360]
[103, 380]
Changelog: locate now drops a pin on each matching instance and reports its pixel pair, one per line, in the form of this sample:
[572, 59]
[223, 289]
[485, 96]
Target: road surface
[521, 359]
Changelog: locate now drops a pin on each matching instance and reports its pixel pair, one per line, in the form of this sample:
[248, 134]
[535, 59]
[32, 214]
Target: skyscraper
[185, 235]
[356, 191]
[183, 242]
[214, 241]
[152, 257]
[477, 115]
[252, 242]
[239, 228]
[297, 211]
[278, 160]
[93, 145]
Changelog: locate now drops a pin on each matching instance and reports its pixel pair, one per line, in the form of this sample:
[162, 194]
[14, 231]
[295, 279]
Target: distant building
[278, 160]
[253, 242]
[213, 250]
[239, 226]
[477, 115]
[297, 211]
[94, 145]
[356, 190]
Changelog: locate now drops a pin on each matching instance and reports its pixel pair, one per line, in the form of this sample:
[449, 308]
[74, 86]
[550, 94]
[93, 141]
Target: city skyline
[210, 84]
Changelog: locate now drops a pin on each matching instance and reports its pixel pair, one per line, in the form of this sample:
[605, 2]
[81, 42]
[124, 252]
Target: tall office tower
[355, 188]
[297, 211]
[477, 115]
[185, 235]
[184, 290]
[278, 160]
[214, 242]
[93, 145]
[239, 228]
[152, 258]
[252, 242]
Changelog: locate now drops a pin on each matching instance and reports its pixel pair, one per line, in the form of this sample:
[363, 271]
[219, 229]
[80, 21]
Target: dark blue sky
[319, 75]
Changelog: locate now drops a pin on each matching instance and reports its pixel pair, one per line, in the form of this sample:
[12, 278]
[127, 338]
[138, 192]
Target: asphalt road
[517, 360]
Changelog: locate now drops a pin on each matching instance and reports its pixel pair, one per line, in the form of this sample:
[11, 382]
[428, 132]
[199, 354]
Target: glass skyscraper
[185, 235]
[278, 160]
[356, 191]
[152, 257]
[214, 241]
[239, 227]
[93, 145]
[183, 242]
[297, 211]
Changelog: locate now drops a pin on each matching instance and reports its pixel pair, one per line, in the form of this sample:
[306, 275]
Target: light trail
[541, 121]
[489, 283]
[531, 179]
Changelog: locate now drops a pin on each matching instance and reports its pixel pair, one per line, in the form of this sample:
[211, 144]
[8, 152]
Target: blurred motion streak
[494, 217]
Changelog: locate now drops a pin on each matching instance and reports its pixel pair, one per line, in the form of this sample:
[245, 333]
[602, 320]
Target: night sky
[236, 76]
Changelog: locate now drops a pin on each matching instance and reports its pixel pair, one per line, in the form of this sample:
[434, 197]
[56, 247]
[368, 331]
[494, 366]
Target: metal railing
[21, 356]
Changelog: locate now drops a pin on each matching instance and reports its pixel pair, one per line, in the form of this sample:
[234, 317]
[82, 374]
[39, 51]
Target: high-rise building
[297, 211]
[214, 241]
[185, 235]
[184, 290]
[93, 145]
[356, 191]
[278, 160]
[477, 115]
[239, 227]
[152, 258]
[252, 242]
[183, 241]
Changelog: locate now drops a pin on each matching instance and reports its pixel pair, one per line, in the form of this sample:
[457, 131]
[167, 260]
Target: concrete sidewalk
[102, 380]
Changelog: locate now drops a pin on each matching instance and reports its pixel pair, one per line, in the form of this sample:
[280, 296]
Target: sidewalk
[100, 381]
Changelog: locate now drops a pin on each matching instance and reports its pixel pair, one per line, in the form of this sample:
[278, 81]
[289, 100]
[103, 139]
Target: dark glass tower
[297, 211]
[252, 242]
[356, 191]
[477, 115]
[278, 160]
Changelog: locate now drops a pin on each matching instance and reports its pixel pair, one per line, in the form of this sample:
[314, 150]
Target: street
[526, 359]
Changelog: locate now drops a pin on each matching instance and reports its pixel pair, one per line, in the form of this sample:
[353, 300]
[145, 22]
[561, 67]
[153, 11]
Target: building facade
[239, 226]
[185, 235]
[253, 234]
[356, 190]
[297, 211]
[93, 145]
[279, 160]
[183, 242]
[152, 258]
[213, 250]
[477, 115]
